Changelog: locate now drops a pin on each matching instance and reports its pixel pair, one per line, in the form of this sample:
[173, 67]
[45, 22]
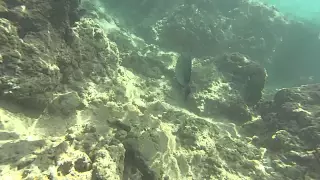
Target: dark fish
[183, 73]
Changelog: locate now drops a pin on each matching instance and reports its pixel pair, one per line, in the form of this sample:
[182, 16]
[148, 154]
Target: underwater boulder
[247, 75]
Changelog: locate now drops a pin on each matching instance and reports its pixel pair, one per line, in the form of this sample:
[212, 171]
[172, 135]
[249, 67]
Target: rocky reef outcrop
[44, 55]
[289, 128]
[87, 93]
[207, 28]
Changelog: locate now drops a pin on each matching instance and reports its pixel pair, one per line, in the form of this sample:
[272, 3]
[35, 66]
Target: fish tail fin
[187, 91]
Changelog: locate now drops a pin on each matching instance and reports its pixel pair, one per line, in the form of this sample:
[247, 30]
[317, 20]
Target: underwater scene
[159, 90]
[302, 9]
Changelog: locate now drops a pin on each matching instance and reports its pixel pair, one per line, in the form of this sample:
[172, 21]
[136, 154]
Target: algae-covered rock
[108, 165]
[248, 76]
[295, 110]
[45, 53]
[292, 130]
[27, 77]
[14, 152]
[65, 104]
[30, 75]
[228, 85]
[128, 118]
[73, 161]
[142, 151]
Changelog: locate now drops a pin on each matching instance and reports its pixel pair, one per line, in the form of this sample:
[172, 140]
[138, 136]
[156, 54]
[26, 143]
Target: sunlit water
[306, 9]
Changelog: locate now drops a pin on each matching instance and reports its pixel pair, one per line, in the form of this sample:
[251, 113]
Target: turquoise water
[306, 9]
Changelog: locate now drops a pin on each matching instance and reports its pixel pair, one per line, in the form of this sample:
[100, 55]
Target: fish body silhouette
[183, 73]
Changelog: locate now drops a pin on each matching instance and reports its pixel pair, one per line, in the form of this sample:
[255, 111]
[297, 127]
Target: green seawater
[304, 9]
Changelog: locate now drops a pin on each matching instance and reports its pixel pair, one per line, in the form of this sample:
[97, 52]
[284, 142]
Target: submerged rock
[292, 130]
[248, 76]
[131, 123]
[65, 104]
